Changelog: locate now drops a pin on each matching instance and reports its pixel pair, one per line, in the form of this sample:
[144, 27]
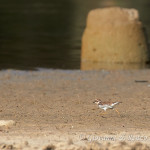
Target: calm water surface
[47, 33]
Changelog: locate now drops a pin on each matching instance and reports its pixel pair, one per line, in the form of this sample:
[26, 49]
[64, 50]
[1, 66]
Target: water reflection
[48, 33]
[111, 66]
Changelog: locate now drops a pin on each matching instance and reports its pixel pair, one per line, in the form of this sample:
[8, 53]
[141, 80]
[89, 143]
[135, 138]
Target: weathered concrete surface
[114, 35]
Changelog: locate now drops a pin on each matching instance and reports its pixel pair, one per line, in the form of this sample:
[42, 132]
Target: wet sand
[55, 108]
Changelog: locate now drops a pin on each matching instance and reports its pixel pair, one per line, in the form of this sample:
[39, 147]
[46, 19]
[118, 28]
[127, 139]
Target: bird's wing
[113, 104]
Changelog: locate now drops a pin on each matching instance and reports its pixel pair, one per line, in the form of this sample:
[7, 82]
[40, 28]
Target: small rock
[49, 147]
[7, 123]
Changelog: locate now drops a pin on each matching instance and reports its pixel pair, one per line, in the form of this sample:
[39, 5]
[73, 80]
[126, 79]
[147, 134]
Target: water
[47, 33]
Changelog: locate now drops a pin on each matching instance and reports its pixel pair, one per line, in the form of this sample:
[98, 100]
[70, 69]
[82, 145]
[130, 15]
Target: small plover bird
[106, 105]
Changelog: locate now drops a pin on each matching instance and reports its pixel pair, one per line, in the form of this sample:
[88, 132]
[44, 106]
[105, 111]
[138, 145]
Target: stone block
[114, 35]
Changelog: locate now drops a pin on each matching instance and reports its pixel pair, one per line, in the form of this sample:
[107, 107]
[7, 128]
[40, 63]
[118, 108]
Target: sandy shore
[53, 109]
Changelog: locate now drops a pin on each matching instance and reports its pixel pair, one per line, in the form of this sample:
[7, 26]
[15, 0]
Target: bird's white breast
[105, 107]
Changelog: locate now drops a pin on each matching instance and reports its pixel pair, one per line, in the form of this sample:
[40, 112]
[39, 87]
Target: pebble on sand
[7, 123]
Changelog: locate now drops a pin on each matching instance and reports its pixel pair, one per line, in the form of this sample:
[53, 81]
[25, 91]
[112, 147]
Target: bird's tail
[115, 103]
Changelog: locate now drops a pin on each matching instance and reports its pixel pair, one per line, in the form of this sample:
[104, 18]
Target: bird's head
[97, 101]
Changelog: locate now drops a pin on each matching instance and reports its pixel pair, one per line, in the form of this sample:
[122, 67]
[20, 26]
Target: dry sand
[53, 109]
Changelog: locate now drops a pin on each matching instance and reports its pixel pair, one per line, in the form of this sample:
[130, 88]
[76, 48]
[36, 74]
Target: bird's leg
[117, 111]
[103, 113]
